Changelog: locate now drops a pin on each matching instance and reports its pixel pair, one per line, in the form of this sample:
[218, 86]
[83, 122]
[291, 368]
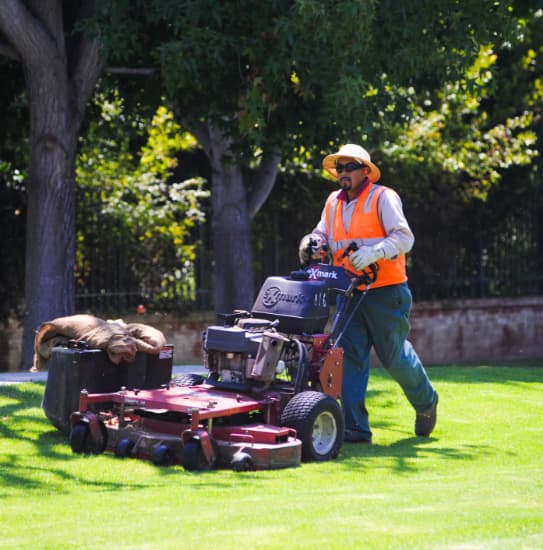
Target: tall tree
[61, 67]
[256, 82]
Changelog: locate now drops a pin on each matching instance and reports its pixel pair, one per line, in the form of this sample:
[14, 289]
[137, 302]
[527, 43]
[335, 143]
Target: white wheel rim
[324, 433]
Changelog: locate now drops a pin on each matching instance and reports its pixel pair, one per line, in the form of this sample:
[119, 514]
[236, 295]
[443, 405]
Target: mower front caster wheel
[82, 440]
[163, 456]
[242, 462]
[194, 458]
[124, 448]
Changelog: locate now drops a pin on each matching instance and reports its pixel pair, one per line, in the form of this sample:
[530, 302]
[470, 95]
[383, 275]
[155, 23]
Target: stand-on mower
[270, 398]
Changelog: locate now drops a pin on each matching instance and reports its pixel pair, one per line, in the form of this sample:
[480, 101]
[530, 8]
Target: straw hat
[355, 152]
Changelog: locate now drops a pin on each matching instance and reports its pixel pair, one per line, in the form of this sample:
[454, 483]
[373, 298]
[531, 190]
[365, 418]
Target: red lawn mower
[270, 398]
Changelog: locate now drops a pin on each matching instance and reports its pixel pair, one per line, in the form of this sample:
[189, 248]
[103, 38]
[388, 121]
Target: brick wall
[478, 330]
[461, 331]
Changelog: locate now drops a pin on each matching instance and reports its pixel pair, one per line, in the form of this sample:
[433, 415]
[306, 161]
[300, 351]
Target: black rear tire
[318, 421]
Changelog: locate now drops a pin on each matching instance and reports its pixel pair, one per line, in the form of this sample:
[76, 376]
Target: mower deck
[194, 426]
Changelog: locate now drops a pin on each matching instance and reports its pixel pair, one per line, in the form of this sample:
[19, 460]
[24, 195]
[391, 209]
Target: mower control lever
[368, 275]
[351, 248]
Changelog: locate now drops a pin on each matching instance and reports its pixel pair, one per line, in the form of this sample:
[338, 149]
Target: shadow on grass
[18, 420]
[33, 436]
[400, 456]
[16, 472]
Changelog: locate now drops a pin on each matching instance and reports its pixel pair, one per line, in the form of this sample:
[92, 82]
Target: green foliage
[311, 71]
[304, 74]
[427, 42]
[12, 215]
[453, 138]
[127, 198]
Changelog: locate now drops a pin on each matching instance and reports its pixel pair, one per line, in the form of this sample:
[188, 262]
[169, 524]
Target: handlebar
[337, 277]
[340, 278]
[351, 248]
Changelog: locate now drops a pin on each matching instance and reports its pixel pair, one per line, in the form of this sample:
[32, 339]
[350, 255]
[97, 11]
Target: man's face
[351, 181]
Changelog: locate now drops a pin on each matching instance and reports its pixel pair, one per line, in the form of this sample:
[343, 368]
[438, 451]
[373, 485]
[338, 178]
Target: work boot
[426, 420]
[356, 436]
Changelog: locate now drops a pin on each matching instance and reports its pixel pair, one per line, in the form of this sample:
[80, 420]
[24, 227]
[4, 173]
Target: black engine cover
[301, 306]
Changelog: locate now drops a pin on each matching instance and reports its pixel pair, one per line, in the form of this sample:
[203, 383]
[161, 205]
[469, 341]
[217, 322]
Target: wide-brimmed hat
[355, 152]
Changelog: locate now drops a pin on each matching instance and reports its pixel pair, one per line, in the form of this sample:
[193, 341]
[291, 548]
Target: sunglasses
[349, 167]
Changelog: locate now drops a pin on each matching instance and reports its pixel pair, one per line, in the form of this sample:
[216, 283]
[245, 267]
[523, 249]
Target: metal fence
[483, 265]
[492, 249]
[478, 261]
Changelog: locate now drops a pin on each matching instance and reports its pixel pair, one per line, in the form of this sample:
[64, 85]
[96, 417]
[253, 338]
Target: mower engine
[270, 344]
[243, 352]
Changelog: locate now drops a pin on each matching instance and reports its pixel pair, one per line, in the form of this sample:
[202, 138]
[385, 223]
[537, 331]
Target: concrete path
[22, 376]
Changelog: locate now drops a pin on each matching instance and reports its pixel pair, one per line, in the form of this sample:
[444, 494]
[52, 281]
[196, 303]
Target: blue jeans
[380, 321]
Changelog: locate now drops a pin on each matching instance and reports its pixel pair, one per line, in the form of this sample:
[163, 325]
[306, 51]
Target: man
[372, 216]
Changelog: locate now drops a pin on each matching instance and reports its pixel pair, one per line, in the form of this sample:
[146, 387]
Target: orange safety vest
[365, 229]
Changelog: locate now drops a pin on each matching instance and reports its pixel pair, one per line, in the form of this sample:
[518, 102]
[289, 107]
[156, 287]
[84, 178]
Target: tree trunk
[231, 234]
[232, 211]
[59, 82]
[50, 237]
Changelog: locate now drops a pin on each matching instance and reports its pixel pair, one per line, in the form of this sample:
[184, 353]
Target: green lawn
[476, 483]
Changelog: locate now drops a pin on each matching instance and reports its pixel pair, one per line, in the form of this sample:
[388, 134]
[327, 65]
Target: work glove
[365, 256]
[312, 248]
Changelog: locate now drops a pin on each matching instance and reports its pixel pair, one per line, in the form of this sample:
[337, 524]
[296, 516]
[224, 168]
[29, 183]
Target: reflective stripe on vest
[365, 229]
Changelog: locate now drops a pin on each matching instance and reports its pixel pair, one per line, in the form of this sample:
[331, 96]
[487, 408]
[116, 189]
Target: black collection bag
[71, 369]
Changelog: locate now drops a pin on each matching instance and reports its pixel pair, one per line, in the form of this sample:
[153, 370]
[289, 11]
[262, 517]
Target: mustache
[345, 183]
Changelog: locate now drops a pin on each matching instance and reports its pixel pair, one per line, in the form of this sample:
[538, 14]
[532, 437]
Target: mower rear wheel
[318, 421]
[81, 440]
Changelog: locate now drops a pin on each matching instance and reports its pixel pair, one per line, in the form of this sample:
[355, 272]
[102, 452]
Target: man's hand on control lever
[365, 256]
[312, 248]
